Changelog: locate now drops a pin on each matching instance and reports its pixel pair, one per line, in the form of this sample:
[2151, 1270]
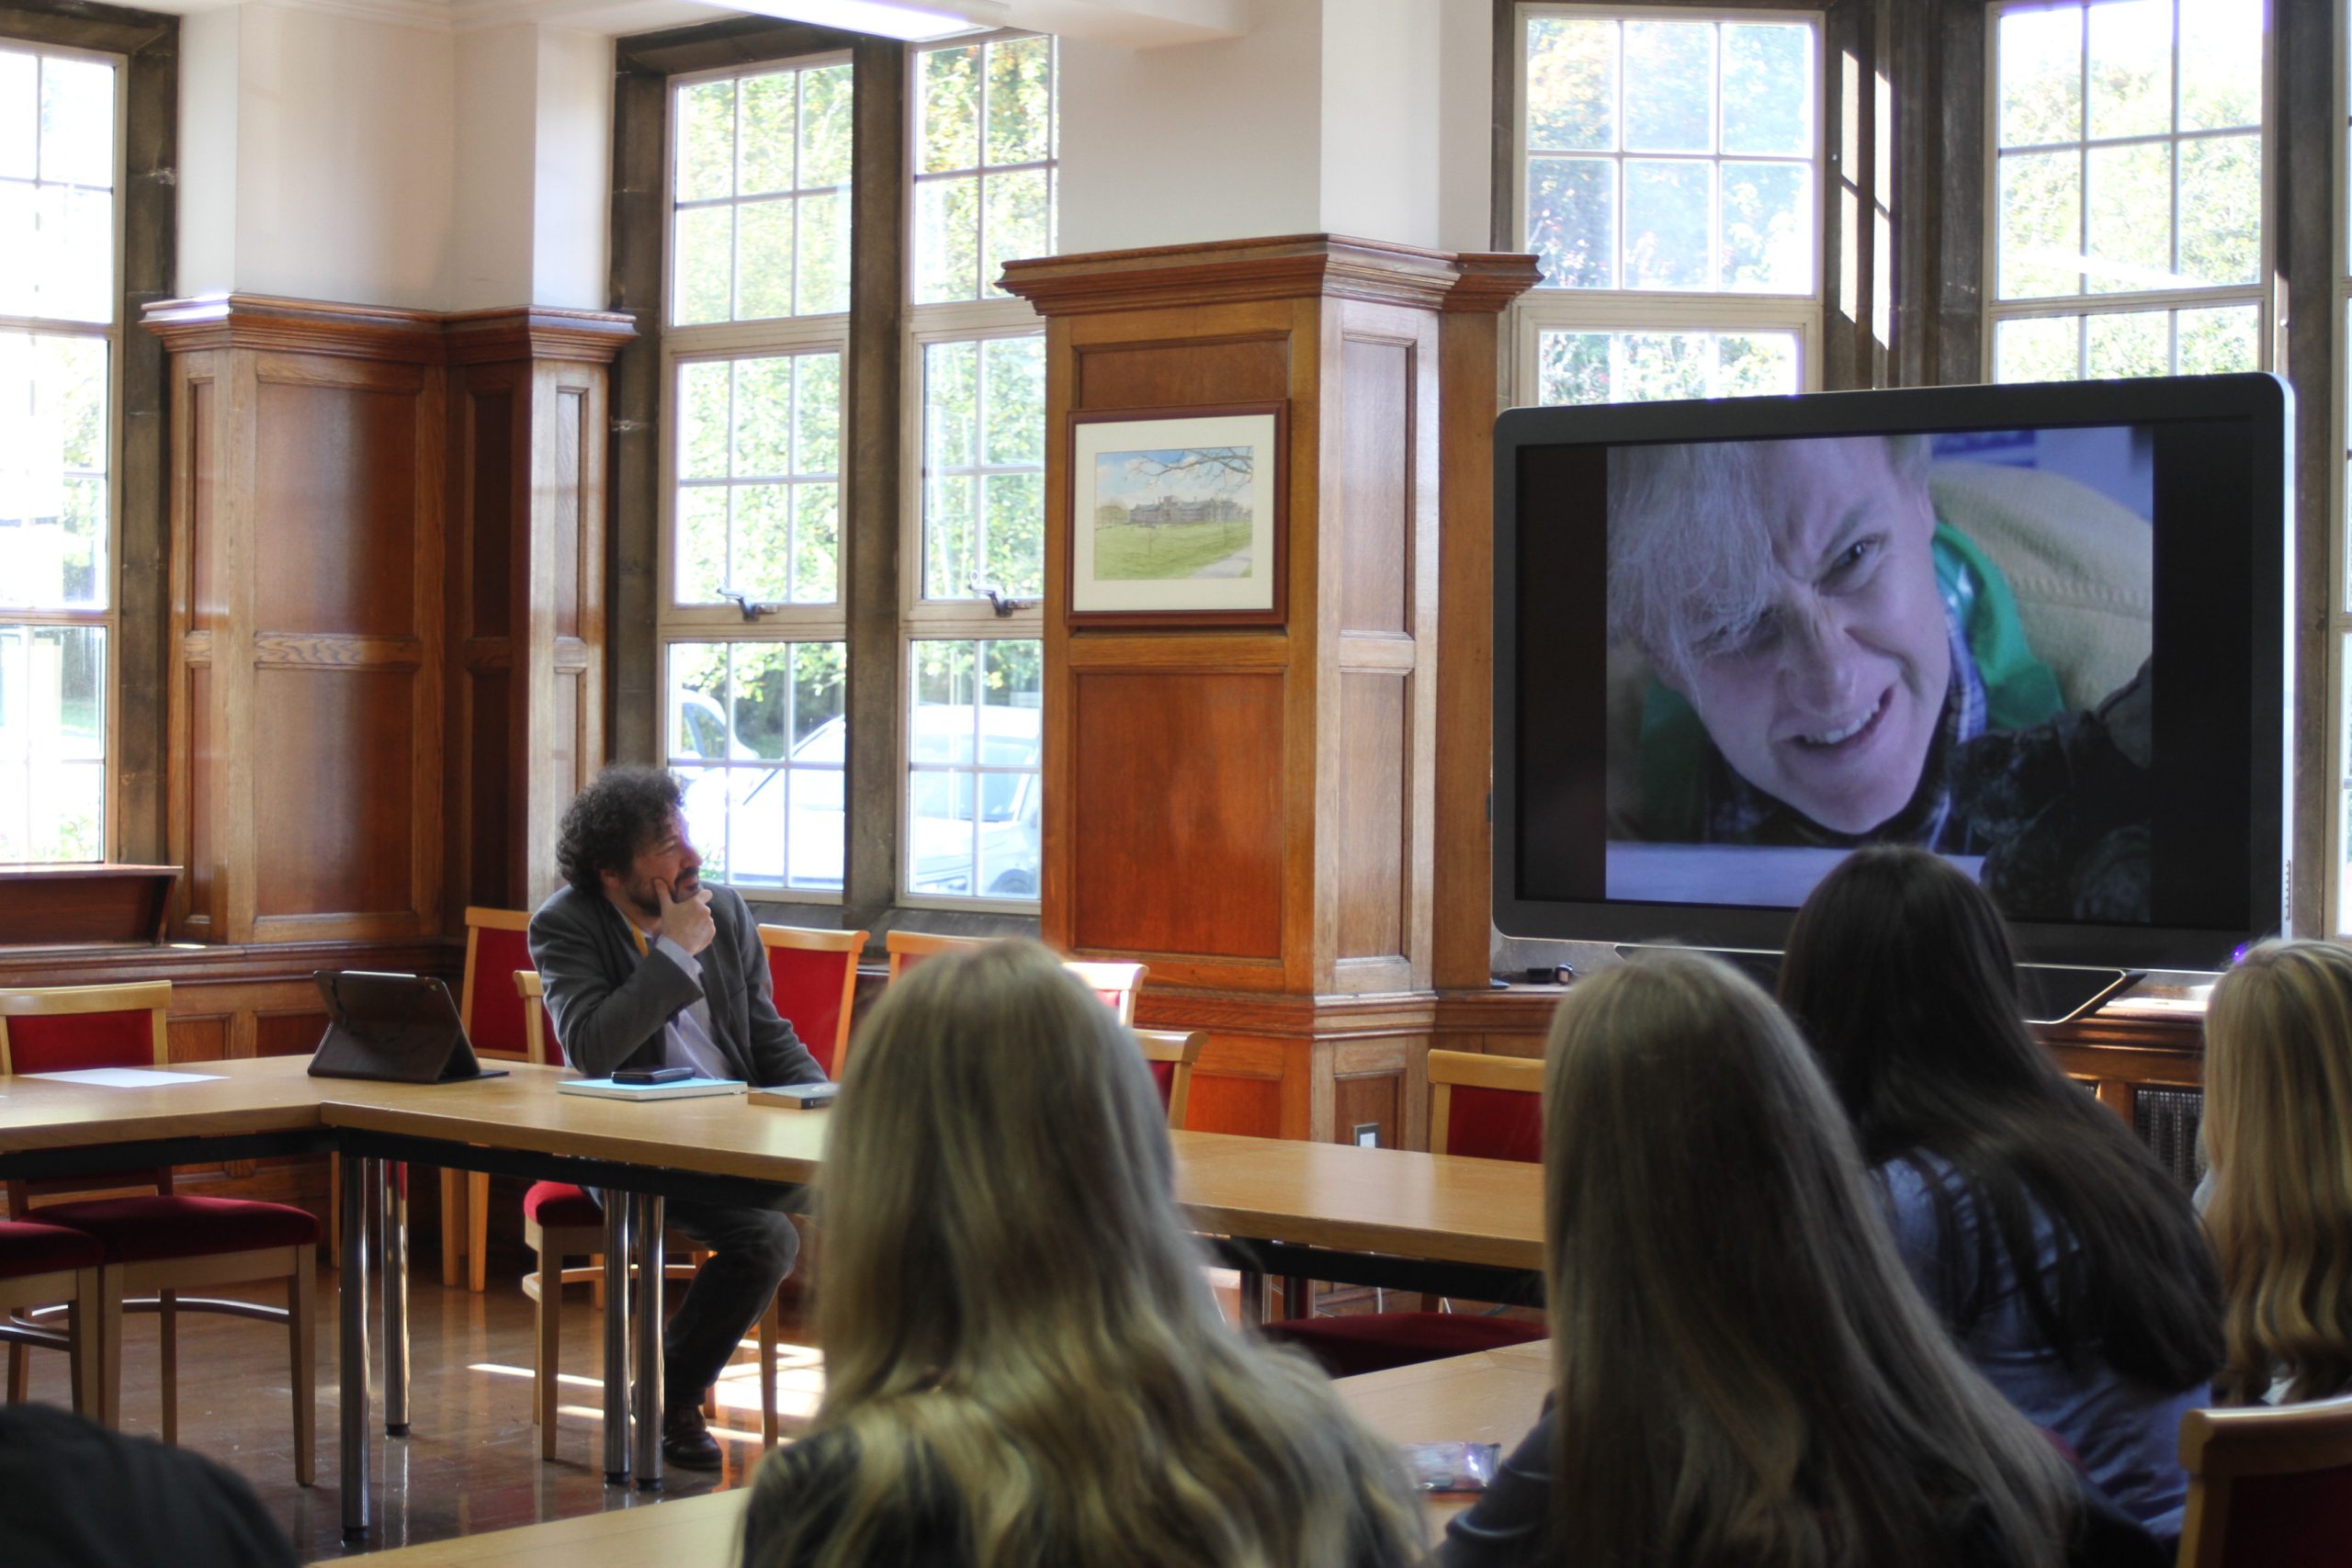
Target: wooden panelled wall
[385, 651]
[1255, 811]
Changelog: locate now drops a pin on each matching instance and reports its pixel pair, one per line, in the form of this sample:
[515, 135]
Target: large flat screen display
[2040, 630]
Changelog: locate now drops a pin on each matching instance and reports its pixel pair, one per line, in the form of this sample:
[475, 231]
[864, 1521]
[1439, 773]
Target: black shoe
[686, 1441]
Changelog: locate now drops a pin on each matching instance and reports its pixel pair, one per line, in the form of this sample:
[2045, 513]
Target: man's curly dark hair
[610, 820]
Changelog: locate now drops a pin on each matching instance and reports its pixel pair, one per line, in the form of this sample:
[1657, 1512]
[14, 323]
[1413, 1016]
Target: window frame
[1620, 309]
[2336, 896]
[2261, 293]
[115, 335]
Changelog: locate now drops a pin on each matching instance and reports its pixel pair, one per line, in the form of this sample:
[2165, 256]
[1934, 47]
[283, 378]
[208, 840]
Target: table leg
[352, 1345]
[647, 1311]
[395, 1185]
[617, 1242]
[1253, 1296]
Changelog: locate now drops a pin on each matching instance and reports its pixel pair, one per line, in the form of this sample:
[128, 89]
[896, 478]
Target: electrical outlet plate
[1367, 1135]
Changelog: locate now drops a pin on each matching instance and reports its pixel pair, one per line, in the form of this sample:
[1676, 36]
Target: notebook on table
[677, 1088]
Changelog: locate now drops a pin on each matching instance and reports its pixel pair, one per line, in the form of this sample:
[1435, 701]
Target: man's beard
[648, 903]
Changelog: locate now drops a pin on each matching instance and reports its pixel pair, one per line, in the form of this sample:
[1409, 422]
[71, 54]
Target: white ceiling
[1136, 24]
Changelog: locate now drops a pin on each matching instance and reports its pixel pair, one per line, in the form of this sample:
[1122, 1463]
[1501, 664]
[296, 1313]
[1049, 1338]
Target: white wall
[1380, 119]
[1465, 85]
[571, 169]
[206, 187]
[492, 197]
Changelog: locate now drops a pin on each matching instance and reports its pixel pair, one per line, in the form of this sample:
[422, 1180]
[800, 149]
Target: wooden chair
[2269, 1487]
[908, 949]
[43, 1266]
[1480, 1106]
[1173, 1053]
[1117, 984]
[156, 1243]
[561, 1220]
[495, 1026]
[815, 979]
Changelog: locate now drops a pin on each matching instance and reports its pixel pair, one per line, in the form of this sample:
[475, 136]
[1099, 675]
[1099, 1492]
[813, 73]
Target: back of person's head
[1014, 1318]
[1745, 1373]
[1901, 973]
[2278, 1133]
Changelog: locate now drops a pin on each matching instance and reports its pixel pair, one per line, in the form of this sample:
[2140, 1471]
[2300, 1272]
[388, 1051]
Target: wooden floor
[471, 1462]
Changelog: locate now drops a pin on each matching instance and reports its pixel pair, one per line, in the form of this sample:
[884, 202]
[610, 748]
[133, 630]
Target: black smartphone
[652, 1074]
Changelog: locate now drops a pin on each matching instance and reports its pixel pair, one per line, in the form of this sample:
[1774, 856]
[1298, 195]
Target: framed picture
[1177, 515]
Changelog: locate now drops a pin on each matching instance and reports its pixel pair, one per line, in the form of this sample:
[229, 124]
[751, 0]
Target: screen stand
[2049, 994]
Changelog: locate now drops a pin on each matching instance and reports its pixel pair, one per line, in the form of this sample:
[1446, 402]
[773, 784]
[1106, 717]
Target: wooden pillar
[1254, 811]
[527, 615]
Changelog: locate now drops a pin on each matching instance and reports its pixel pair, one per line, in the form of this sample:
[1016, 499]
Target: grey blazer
[609, 1008]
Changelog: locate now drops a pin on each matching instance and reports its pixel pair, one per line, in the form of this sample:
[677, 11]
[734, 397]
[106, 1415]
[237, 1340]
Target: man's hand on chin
[686, 922]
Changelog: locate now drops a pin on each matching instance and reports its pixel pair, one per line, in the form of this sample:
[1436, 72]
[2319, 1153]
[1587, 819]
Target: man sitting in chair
[645, 967]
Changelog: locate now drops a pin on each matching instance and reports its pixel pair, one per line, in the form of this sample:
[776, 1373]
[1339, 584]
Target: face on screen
[1830, 697]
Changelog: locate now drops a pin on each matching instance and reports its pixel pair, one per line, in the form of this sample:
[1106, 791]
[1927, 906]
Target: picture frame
[1178, 515]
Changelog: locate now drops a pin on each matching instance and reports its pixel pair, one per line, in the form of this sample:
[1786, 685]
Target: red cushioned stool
[155, 1243]
[43, 1266]
[1485, 1107]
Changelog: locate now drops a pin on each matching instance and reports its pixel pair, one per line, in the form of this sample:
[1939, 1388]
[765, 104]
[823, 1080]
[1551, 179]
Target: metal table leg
[395, 1185]
[647, 1309]
[616, 1293]
[1252, 1299]
[351, 1297]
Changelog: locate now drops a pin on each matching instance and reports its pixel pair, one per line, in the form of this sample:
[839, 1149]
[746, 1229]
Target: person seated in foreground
[1744, 1374]
[74, 1495]
[2279, 1136]
[1834, 663]
[645, 967]
[2069, 1267]
[1023, 1363]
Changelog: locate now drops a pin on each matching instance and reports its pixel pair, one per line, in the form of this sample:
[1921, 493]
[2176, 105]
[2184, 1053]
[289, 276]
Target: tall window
[2127, 235]
[984, 153]
[1669, 183]
[58, 345]
[753, 637]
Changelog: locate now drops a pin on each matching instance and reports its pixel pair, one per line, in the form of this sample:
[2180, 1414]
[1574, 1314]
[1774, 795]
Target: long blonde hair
[1745, 1375]
[2279, 1134]
[1015, 1321]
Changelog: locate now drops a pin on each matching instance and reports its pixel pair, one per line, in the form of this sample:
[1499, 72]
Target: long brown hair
[1899, 971]
[1745, 1372]
[1015, 1321]
[2278, 1133]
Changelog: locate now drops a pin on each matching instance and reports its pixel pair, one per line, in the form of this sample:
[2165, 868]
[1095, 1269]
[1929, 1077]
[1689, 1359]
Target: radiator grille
[2167, 1121]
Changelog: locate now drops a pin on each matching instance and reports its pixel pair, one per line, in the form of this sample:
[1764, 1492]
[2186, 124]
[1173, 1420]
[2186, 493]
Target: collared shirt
[686, 1039]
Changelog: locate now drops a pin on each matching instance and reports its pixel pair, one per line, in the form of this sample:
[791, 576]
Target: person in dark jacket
[1744, 1374]
[74, 1495]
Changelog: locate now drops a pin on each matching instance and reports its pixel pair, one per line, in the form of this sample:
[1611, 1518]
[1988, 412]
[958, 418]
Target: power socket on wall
[1367, 1135]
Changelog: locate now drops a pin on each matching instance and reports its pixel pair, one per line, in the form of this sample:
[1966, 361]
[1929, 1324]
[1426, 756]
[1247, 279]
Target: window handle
[753, 608]
[1004, 603]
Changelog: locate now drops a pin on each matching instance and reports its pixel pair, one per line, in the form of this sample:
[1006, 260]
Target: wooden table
[1492, 1396]
[1345, 1212]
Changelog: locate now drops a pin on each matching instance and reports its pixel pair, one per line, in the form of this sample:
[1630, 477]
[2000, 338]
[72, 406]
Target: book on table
[681, 1088]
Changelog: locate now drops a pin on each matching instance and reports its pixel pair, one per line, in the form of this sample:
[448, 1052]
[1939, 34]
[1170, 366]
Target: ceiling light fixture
[916, 21]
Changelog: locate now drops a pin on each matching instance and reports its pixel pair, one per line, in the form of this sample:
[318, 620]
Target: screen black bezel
[2264, 400]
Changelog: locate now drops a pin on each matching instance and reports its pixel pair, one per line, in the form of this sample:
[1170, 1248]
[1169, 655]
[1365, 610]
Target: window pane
[1639, 367]
[1572, 221]
[948, 91]
[945, 722]
[2137, 342]
[2039, 61]
[2218, 341]
[770, 123]
[757, 742]
[940, 835]
[2131, 68]
[762, 407]
[703, 264]
[2131, 218]
[2040, 348]
[972, 786]
[816, 413]
[1768, 90]
[73, 255]
[701, 570]
[1016, 222]
[706, 138]
[1571, 86]
[1669, 86]
[20, 115]
[951, 403]
[1016, 400]
[764, 542]
[762, 259]
[1572, 368]
[1014, 538]
[1768, 227]
[984, 459]
[53, 446]
[816, 543]
[2221, 64]
[702, 419]
[78, 121]
[52, 743]
[1020, 76]
[2221, 209]
[947, 239]
[1758, 366]
[951, 533]
[1668, 211]
[824, 254]
[827, 105]
[2041, 224]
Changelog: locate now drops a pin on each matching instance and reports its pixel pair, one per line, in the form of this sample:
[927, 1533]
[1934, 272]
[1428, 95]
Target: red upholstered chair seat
[1163, 1078]
[2301, 1520]
[560, 1204]
[137, 1230]
[69, 1042]
[28, 1247]
[1377, 1341]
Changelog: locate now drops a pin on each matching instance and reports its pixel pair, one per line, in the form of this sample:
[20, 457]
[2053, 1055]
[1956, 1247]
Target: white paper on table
[124, 1077]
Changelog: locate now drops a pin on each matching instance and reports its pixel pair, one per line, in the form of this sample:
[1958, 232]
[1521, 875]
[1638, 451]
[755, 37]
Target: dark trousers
[752, 1251]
